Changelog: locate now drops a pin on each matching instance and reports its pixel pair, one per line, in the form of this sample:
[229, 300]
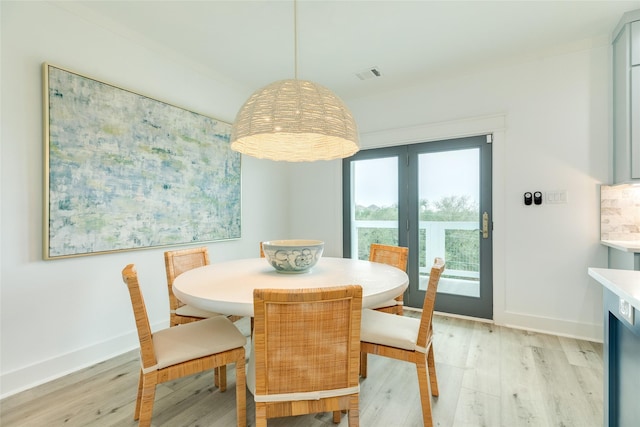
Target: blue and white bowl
[292, 256]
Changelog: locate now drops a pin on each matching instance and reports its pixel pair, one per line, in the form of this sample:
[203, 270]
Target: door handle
[485, 225]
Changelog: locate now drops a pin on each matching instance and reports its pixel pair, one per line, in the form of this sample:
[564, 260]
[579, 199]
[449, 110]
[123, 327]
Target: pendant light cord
[295, 39]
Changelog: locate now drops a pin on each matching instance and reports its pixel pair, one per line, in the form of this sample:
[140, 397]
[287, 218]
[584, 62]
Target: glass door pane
[449, 199]
[374, 207]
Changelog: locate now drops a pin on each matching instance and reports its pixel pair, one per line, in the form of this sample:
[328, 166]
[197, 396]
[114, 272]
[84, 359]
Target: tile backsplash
[620, 212]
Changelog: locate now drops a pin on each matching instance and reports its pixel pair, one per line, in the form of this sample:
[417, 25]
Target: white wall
[58, 316]
[550, 119]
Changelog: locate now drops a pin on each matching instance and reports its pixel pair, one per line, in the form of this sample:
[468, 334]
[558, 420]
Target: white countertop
[624, 283]
[623, 245]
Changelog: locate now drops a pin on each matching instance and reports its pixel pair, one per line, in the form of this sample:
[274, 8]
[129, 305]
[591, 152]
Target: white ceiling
[250, 43]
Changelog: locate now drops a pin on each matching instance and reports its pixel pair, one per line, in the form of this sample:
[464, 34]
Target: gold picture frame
[124, 171]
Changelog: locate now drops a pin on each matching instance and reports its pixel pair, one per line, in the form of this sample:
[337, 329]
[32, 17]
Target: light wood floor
[488, 376]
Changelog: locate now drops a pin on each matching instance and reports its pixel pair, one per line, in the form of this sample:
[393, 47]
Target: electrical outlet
[626, 310]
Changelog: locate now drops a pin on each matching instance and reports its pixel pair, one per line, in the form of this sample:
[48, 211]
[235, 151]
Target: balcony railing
[436, 240]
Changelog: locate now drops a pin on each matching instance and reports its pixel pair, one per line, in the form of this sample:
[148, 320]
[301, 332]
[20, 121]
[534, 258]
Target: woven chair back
[177, 262]
[392, 255]
[426, 327]
[147, 352]
[307, 340]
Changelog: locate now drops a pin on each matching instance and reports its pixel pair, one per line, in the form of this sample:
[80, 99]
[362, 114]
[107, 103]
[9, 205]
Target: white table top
[624, 283]
[227, 287]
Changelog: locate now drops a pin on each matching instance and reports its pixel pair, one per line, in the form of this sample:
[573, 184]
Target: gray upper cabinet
[626, 99]
[635, 43]
[635, 122]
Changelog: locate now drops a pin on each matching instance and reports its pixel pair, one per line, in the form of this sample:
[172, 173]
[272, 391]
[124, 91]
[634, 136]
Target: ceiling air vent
[369, 73]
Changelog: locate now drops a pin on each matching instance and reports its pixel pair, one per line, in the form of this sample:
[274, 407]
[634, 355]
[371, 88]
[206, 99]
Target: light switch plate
[556, 197]
[626, 311]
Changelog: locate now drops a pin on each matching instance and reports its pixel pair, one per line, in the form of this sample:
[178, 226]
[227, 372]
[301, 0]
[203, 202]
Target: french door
[434, 198]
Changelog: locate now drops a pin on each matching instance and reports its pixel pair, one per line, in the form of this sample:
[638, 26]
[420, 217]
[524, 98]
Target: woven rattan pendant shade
[295, 121]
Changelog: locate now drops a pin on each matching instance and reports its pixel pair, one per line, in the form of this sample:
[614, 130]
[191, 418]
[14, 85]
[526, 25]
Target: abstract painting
[124, 171]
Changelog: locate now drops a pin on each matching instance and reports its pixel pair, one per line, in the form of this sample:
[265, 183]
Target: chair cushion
[389, 329]
[189, 311]
[194, 340]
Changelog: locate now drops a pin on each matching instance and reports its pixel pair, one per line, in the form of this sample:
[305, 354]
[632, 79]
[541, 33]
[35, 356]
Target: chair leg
[220, 377]
[425, 397]
[363, 365]
[336, 417]
[261, 414]
[148, 396]
[431, 365]
[241, 393]
[354, 411]
[136, 412]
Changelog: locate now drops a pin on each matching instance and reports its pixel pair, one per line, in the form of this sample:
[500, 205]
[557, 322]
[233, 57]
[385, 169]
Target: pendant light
[295, 121]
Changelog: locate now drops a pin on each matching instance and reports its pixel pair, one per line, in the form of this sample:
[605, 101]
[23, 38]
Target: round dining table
[227, 287]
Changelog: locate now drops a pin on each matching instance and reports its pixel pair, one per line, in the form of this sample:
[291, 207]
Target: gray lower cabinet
[624, 260]
[621, 365]
[621, 298]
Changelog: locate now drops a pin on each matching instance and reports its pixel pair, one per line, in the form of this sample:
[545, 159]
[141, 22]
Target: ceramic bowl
[293, 256]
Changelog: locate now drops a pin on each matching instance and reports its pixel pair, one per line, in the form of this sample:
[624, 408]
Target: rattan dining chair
[305, 352]
[407, 339]
[173, 353]
[176, 263]
[395, 256]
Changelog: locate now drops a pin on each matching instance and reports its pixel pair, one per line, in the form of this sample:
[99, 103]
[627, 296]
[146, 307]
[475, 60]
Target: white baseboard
[48, 370]
[539, 324]
[460, 316]
[547, 325]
